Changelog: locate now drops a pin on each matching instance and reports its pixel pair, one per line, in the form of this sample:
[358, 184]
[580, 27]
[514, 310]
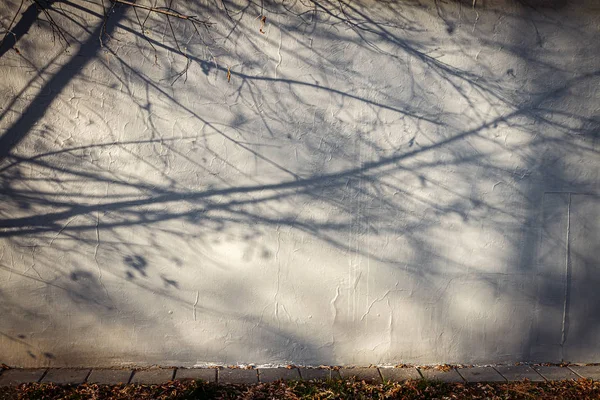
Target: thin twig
[144, 34]
[188, 61]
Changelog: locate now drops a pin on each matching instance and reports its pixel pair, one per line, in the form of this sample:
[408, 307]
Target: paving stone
[442, 376]
[153, 376]
[556, 373]
[361, 374]
[481, 374]
[66, 376]
[275, 374]
[203, 374]
[399, 374]
[587, 371]
[238, 375]
[14, 377]
[315, 374]
[109, 376]
[518, 373]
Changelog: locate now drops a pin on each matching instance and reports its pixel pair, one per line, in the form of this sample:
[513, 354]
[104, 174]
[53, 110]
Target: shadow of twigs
[381, 167]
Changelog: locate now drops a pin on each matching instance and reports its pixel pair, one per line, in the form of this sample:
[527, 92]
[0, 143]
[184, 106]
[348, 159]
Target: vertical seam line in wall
[567, 272]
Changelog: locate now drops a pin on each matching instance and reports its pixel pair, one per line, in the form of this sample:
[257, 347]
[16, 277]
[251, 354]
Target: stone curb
[481, 375]
[588, 372]
[369, 375]
[449, 376]
[153, 376]
[515, 373]
[275, 374]
[103, 376]
[556, 373]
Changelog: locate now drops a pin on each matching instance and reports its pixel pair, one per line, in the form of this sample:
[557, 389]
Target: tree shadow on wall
[400, 181]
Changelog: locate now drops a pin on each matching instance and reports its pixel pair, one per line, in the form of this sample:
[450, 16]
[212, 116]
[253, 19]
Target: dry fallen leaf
[263, 21]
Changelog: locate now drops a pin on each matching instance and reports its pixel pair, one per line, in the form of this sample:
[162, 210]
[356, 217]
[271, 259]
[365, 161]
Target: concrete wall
[375, 182]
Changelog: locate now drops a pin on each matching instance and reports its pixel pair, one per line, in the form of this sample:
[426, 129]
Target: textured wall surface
[364, 182]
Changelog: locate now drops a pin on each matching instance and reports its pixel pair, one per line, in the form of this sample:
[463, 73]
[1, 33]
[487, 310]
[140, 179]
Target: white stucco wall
[378, 182]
